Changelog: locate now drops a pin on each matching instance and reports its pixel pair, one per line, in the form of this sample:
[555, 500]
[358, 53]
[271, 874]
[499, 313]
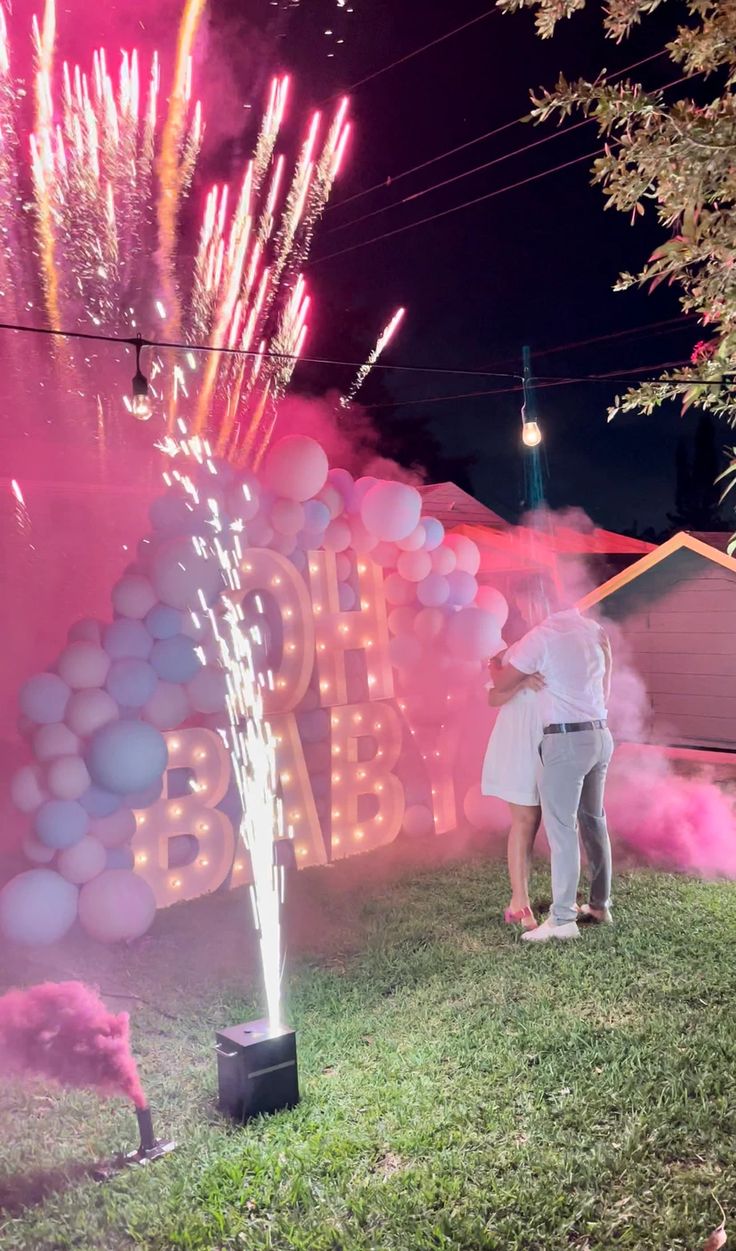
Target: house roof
[656, 556]
[454, 507]
[716, 538]
[523, 548]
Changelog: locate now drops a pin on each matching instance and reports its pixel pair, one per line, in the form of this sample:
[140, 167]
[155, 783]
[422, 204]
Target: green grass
[460, 1090]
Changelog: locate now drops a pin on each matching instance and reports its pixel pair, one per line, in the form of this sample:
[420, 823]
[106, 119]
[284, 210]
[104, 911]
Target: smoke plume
[64, 1032]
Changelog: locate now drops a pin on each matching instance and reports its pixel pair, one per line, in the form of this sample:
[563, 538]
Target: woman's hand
[535, 682]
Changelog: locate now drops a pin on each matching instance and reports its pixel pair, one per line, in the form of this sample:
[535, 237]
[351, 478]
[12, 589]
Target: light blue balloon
[175, 659]
[163, 622]
[120, 858]
[100, 803]
[316, 516]
[126, 756]
[61, 823]
[131, 682]
[144, 798]
[37, 907]
[44, 698]
[126, 638]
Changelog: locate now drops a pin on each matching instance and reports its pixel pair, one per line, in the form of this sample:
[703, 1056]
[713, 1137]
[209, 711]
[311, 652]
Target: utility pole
[531, 437]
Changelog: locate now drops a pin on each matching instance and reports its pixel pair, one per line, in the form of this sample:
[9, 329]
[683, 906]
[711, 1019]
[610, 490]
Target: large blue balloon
[145, 798]
[126, 756]
[61, 822]
[127, 638]
[172, 513]
[163, 622]
[175, 659]
[37, 907]
[44, 698]
[131, 682]
[100, 803]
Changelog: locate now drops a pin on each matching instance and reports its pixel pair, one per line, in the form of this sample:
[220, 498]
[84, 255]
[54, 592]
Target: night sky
[534, 265]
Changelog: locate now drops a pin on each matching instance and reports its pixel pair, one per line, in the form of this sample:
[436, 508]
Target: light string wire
[138, 341]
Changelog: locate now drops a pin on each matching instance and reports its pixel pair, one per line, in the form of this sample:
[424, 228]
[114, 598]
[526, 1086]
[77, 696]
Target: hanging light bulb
[141, 406]
[531, 435]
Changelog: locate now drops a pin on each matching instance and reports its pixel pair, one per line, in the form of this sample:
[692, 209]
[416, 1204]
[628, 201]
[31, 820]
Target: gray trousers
[572, 778]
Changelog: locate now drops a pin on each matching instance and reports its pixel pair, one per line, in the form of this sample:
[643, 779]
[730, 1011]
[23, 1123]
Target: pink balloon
[67, 777]
[343, 566]
[360, 490]
[168, 706]
[443, 560]
[362, 540]
[115, 830]
[433, 591]
[493, 602]
[391, 510]
[85, 860]
[133, 596]
[117, 906]
[37, 851]
[26, 788]
[337, 536]
[82, 665]
[342, 482]
[295, 467]
[467, 553]
[485, 812]
[429, 624]
[413, 541]
[397, 590]
[244, 499]
[287, 516]
[414, 566]
[473, 634]
[54, 740]
[401, 620]
[88, 711]
[330, 496]
[405, 651]
[385, 555]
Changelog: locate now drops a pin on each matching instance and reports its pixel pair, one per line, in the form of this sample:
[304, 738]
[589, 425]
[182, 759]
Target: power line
[652, 329]
[616, 375]
[446, 182]
[488, 134]
[138, 342]
[409, 56]
[476, 169]
[489, 195]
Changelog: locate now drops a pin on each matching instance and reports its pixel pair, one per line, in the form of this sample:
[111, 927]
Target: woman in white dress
[510, 771]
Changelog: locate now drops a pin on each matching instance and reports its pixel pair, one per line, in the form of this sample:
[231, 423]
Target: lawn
[460, 1090]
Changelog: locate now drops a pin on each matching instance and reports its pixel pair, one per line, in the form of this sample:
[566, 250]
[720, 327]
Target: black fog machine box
[256, 1070]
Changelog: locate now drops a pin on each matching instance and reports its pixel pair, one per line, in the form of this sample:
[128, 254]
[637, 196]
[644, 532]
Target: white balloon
[168, 706]
[287, 516]
[295, 467]
[414, 566]
[443, 560]
[415, 540]
[467, 553]
[493, 602]
[391, 510]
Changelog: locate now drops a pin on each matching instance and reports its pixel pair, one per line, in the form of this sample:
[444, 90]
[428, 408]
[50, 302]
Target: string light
[141, 406]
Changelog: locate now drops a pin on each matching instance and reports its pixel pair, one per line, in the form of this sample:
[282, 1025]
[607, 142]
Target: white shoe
[548, 930]
[602, 916]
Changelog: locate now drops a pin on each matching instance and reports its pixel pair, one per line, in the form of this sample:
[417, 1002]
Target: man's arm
[608, 656]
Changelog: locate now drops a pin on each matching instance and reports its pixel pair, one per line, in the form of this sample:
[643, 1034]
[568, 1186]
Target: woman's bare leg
[524, 826]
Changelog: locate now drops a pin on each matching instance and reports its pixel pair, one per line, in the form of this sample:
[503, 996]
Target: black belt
[575, 727]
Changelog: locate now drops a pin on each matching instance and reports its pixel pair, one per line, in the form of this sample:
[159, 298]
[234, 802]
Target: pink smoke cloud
[63, 1031]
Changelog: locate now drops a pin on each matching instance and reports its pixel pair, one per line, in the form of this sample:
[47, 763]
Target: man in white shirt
[573, 656]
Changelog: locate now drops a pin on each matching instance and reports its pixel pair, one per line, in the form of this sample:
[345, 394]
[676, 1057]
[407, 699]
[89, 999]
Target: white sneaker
[548, 930]
[601, 916]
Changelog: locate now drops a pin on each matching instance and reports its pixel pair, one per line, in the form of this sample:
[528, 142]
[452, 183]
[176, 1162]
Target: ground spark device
[256, 1070]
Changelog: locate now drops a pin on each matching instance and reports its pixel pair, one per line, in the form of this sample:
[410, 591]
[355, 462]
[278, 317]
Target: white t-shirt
[567, 650]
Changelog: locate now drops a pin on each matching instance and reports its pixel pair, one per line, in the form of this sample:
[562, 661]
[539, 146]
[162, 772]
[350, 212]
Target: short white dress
[512, 755]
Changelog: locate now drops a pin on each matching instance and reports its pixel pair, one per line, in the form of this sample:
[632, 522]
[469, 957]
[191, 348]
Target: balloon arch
[374, 627]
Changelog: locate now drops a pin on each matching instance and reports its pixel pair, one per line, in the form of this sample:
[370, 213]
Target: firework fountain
[111, 159]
